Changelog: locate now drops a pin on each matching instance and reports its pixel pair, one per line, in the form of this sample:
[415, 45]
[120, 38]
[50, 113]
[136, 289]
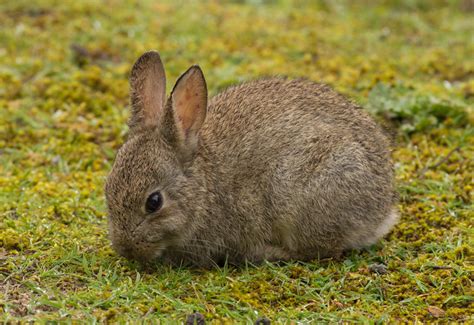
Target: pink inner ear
[187, 107]
[189, 101]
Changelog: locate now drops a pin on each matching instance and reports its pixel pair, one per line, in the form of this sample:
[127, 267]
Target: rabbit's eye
[154, 202]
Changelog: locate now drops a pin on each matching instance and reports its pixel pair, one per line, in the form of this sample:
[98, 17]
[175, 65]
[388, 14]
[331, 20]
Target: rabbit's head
[144, 188]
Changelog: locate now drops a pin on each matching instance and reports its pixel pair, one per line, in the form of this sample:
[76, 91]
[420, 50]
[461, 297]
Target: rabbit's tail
[365, 239]
[387, 224]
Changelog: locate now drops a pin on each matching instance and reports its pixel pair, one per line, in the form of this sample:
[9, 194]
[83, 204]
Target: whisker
[216, 244]
[199, 256]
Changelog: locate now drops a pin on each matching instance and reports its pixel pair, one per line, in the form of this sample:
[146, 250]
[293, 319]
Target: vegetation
[63, 105]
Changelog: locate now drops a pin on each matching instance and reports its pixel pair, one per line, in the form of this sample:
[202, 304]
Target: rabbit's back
[274, 113]
[294, 128]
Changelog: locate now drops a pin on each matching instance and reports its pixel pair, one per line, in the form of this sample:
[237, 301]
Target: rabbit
[273, 169]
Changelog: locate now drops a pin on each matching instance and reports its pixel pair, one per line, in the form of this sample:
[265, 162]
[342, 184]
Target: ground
[63, 106]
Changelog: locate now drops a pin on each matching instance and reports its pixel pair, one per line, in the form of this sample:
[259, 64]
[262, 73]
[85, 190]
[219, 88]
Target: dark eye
[154, 202]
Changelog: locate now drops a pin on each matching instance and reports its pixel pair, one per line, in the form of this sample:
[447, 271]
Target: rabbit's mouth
[140, 250]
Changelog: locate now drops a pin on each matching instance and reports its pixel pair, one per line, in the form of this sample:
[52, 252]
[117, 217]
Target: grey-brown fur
[280, 169]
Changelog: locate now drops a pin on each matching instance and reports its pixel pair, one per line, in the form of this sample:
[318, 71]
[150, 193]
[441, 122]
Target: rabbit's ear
[189, 104]
[148, 90]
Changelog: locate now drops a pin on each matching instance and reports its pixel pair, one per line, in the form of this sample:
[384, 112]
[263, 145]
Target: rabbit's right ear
[147, 90]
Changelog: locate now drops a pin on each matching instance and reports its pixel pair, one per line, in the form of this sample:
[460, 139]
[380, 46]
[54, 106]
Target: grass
[63, 99]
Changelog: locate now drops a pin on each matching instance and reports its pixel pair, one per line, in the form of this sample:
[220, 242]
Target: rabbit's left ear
[189, 105]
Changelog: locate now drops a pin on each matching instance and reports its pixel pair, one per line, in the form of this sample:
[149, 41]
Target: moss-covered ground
[63, 106]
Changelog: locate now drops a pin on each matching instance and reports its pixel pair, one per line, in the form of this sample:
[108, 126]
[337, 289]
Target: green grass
[63, 107]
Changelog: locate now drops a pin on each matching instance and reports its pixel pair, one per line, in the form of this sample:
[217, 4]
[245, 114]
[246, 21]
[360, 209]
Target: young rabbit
[272, 169]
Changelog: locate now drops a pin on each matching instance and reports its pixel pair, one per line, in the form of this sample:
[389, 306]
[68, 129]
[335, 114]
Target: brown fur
[280, 169]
